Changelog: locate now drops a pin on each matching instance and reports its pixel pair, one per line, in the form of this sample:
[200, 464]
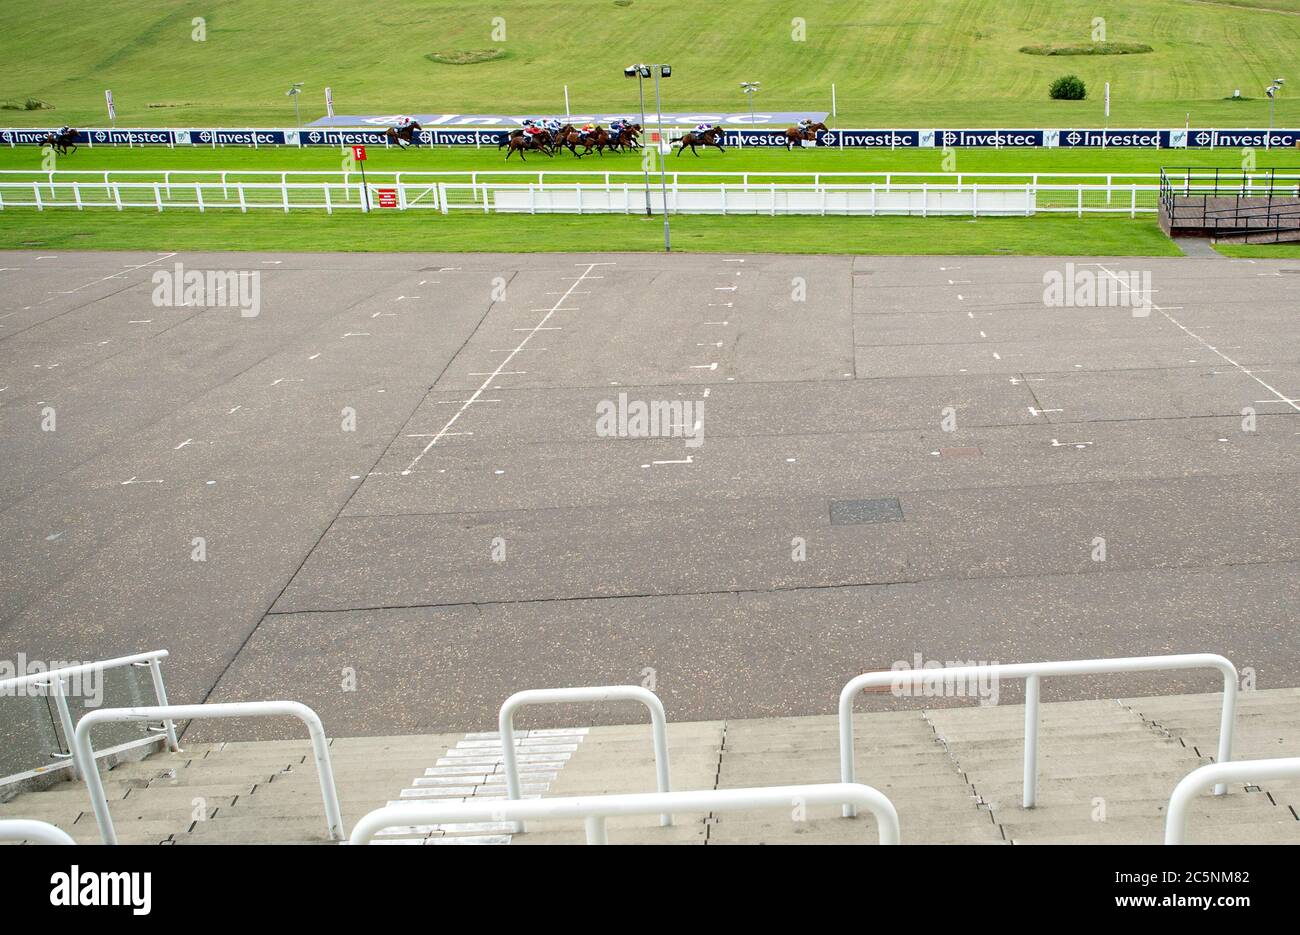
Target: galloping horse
[692, 139]
[628, 136]
[518, 141]
[59, 143]
[795, 135]
[405, 136]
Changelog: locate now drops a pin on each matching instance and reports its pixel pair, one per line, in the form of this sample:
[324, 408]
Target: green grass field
[469, 231]
[421, 231]
[942, 62]
[468, 159]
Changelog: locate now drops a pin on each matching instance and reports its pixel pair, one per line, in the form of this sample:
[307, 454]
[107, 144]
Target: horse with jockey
[60, 140]
[704, 134]
[805, 131]
[531, 136]
[403, 132]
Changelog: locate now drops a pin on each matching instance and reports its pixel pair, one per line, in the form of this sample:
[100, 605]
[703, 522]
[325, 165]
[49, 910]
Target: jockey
[554, 124]
[404, 122]
[63, 131]
[531, 128]
[703, 127]
[616, 127]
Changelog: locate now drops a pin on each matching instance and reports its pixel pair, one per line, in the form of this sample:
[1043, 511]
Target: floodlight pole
[640, 86]
[663, 181]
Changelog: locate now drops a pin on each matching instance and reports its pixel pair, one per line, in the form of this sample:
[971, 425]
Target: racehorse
[627, 136]
[518, 141]
[405, 136]
[60, 144]
[692, 139]
[795, 135]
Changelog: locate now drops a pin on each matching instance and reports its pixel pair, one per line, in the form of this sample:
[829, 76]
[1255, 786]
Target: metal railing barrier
[595, 810]
[1032, 672]
[194, 712]
[658, 723]
[38, 832]
[1217, 774]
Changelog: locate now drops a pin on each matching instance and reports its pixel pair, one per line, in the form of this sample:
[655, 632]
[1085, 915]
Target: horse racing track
[400, 487]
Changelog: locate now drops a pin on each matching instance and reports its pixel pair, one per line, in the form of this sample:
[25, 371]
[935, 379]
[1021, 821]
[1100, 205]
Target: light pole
[293, 92]
[641, 72]
[750, 87]
[1271, 91]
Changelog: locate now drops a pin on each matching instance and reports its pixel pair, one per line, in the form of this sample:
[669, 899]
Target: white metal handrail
[1217, 774]
[658, 723]
[1032, 672]
[194, 712]
[597, 809]
[55, 680]
[28, 829]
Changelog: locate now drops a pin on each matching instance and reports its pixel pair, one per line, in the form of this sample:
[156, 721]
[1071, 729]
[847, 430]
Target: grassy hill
[905, 63]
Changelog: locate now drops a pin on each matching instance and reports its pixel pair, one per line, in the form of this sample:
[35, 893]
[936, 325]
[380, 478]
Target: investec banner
[732, 137]
[1234, 139]
[234, 137]
[1110, 138]
[962, 138]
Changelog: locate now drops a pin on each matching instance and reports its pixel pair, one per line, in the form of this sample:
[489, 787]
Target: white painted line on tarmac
[1290, 402]
[501, 368]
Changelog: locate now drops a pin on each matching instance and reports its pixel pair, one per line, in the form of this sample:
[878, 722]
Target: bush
[1068, 88]
[466, 56]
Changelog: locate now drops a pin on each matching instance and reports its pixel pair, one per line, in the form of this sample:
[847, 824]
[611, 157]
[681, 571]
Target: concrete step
[1152, 831]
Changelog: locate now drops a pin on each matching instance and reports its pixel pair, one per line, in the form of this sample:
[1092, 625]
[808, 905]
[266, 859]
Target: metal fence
[822, 197]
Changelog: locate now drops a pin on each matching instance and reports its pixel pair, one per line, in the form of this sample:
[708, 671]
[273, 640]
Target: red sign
[359, 153]
[387, 197]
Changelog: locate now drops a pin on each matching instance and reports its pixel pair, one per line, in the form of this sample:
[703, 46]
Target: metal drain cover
[855, 512]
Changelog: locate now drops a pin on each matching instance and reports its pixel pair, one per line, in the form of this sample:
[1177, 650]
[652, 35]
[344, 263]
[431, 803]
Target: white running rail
[597, 809]
[56, 680]
[38, 832]
[1216, 774]
[658, 722]
[194, 712]
[823, 196]
[1032, 673]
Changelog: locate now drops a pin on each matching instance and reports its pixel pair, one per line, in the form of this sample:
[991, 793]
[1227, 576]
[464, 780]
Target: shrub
[1068, 88]
[465, 56]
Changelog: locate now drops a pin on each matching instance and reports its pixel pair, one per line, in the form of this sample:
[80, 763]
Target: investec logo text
[90, 888]
[1112, 138]
[991, 138]
[880, 138]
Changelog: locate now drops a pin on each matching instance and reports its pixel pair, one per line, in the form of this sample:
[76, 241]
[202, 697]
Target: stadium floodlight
[294, 90]
[1271, 91]
[750, 88]
[641, 72]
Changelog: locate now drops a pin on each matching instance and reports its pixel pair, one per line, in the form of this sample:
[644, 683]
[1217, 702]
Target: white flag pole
[112, 111]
